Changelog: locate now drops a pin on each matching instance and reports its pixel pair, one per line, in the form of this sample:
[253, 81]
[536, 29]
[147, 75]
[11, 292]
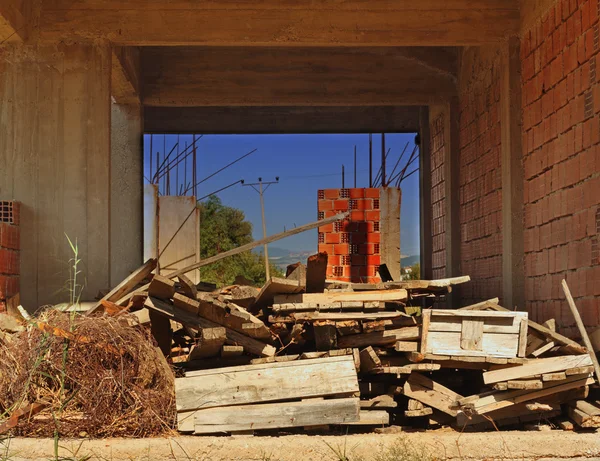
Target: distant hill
[283, 258]
[408, 261]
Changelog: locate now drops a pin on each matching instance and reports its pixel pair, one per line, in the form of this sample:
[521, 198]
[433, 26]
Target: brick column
[10, 247]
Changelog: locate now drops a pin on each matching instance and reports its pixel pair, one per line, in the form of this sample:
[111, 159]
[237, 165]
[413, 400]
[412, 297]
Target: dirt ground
[413, 446]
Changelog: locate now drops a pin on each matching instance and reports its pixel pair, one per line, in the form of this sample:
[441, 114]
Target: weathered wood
[325, 335]
[581, 327]
[210, 341]
[348, 327]
[371, 418]
[272, 287]
[430, 393]
[381, 402]
[559, 376]
[187, 286]
[127, 285]
[160, 327]
[471, 336]
[407, 369]
[232, 351]
[274, 416]
[332, 297]
[418, 413]
[583, 419]
[251, 345]
[161, 287]
[316, 270]
[525, 384]
[369, 360]
[297, 272]
[537, 366]
[406, 346]
[579, 370]
[428, 284]
[377, 325]
[265, 383]
[387, 337]
[341, 316]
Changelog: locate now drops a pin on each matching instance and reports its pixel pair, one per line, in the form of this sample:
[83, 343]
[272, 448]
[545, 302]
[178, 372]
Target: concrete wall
[561, 142]
[389, 227]
[126, 210]
[55, 158]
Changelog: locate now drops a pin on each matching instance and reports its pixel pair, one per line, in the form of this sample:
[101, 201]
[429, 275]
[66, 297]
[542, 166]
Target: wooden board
[312, 316]
[332, 297]
[428, 284]
[380, 337]
[371, 418]
[273, 287]
[274, 416]
[251, 345]
[127, 285]
[264, 383]
[536, 367]
[473, 333]
[430, 393]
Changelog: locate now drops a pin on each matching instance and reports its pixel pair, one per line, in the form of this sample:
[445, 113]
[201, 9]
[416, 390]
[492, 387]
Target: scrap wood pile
[66, 374]
[303, 353]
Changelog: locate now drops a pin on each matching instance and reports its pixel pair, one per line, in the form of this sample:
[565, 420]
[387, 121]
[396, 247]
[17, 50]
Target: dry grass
[97, 376]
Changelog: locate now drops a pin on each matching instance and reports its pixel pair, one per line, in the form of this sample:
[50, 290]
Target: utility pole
[355, 166]
[370, 160]
[383, 158]
[261, 191]
[343, 178]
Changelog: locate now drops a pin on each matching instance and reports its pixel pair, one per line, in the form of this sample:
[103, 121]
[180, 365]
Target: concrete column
[389, 226]
[55, 160]
[513, 277]
[126, 210]
[425, 194]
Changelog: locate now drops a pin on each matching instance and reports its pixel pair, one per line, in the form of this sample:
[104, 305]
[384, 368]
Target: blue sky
[304, 164]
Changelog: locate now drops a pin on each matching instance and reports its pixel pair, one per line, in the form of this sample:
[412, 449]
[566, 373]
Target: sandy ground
[358, 447]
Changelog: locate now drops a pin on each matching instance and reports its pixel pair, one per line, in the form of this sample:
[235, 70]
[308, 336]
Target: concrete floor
[359, 447]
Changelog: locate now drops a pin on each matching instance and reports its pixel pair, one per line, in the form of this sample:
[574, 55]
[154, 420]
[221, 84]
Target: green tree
[415, 273]
[223, 228]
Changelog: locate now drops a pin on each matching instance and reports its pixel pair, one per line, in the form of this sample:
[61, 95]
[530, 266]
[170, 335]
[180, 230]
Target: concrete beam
[213, 76]
[282, 23]
[275, 120]
[513, 275]
[125, 78]
[13, 23]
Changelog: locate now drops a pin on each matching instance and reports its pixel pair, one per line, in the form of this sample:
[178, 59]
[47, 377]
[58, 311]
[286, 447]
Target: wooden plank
[257, 243]
[332, 297]
[251, 345]
[428, 284]
[348, 327]
[524, 384]
[274, 286]
[583, 419]
[425, 330]
[581, 327]
[231, 351]
[274, 416]
[325, 335]
[161, 287]
[407, 368]
[266, 383]
[381, 402]
[537, 366]
[586, 407]
[187, 286]
[371, 418]
[579, 370]
[341, 316]
[379, 337]
[471, 336]
[559, 376]
[369, 360]
[316, 272]
[522, 339]
[430, 393]
[496, 345]
[160, 327]
[418, 413]
[509, 398]
[406, 346]
[210, 341]
[127, 285]
[545, 348]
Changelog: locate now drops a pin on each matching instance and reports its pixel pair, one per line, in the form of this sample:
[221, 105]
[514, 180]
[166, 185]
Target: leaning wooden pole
[257, 243]
[582, 330]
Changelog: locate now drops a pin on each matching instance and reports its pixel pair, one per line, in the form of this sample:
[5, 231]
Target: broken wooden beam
[376, 338]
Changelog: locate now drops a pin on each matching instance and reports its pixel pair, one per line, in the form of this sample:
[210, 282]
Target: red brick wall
[438, 198]
[480, 174]
[9, 251]
[352, 245]
[561, 136]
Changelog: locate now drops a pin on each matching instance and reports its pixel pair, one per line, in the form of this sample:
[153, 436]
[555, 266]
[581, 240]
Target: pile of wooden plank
[304, 353]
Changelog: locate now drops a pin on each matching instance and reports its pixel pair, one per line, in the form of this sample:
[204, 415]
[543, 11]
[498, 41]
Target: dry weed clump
[97, 376]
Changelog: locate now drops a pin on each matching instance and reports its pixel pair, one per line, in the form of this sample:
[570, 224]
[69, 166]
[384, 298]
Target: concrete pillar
[126, 210]
[426, 239]
[55, 160]
[389, 227]
[513, 275]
